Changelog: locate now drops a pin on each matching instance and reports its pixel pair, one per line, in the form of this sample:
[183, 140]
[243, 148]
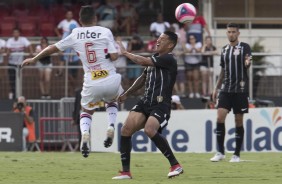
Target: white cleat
[175, 170]
[217, 157]
[110, 136]
[235, 158]
[85, 145]
[123, 176]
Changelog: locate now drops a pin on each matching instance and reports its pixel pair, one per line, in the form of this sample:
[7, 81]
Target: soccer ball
[185, 13]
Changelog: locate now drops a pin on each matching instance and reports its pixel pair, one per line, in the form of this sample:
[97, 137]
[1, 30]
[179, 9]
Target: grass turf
[146, 168]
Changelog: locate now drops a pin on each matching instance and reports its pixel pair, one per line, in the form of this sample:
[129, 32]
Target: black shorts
[190, 67]
[237, 101]
[161, 111]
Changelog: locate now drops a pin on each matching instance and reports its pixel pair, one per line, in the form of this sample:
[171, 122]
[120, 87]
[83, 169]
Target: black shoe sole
[108, 142]
[85, 150]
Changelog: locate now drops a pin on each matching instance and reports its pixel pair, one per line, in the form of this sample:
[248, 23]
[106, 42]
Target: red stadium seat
[28, 28]
[46, 29]
[7, 28]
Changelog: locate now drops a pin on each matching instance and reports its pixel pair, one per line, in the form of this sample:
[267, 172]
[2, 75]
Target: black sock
[125, 149]
[163, 146]
[220, 135]
[239, 137]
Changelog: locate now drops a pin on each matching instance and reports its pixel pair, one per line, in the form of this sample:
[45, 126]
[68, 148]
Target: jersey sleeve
[247, 50]
[152, 27]
[60, 25]
[8, 44]
[164, 61]
[26, 42]
[111, 45]
[221, 58]
[65, 43]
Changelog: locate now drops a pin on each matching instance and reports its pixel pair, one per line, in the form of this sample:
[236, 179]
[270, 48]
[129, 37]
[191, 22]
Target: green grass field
[146, 168]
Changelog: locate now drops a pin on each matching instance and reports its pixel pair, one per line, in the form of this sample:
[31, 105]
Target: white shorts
[43, 67]
[106, 91]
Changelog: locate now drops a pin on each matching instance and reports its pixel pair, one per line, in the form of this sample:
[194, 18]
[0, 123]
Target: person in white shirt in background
[192, 65]
[158, 27]
[95, 46]
[16, 47]
[64, 25]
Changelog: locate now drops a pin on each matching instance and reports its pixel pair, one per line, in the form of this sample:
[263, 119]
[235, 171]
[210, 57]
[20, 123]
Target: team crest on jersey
[236, 52]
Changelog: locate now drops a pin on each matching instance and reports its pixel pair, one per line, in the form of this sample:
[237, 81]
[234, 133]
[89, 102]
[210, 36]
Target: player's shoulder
[225, 46]
[101, 28]
[167, 57]
[244, 44]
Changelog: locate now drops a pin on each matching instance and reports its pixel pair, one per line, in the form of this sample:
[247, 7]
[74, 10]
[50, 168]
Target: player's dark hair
[172, 37]
[233, 25]
[86, 14]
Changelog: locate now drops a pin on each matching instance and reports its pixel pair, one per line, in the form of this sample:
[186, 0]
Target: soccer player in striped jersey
[152, 112]
[233, 84]
[96, 49]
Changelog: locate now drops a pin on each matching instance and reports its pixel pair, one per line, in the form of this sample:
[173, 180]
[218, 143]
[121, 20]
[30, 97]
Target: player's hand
[248, 60]
[121, 98]
[214, 95]
[122, 49]
[27, 62]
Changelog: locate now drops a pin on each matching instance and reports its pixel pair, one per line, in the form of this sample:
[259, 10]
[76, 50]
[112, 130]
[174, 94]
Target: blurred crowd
[194, 51]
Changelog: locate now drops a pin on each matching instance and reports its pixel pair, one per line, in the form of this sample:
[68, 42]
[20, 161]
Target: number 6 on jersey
[90, 54]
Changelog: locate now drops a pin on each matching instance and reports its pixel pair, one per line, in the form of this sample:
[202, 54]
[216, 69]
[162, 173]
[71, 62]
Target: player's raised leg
[111, 109]
[151, 129]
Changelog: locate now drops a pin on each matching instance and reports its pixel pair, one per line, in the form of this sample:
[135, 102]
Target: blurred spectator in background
[179, 85]
[28, 125]
[206, 67]
[197, 28]
[45, 69]
[64, 25]
[16, 47]
[135, 45]
[151, 45]
[176, 103]
[128, 18]
[192, 65]
[107, 15]
[71, 59]
[2, 50]
[158, 27]
[120, 63]
[76, 113]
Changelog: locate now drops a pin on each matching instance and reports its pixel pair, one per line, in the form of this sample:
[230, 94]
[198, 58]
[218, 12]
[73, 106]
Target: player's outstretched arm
[139, 82]
[51, 49]
[140, 60]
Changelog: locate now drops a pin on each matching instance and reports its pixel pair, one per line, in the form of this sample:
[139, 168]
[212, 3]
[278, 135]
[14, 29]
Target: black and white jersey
[160, 79]
[235, 72]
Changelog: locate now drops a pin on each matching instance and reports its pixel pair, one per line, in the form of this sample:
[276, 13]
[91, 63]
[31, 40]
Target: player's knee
[220, 119]
[149, 131]
[126, 131]
[238, 120]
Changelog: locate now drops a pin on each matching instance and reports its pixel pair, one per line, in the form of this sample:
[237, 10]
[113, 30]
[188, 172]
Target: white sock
[85, 122]
[112, 110]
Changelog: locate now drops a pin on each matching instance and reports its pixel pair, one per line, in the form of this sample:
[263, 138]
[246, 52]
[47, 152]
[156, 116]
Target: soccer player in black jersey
[233, 84]
[152, 112]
